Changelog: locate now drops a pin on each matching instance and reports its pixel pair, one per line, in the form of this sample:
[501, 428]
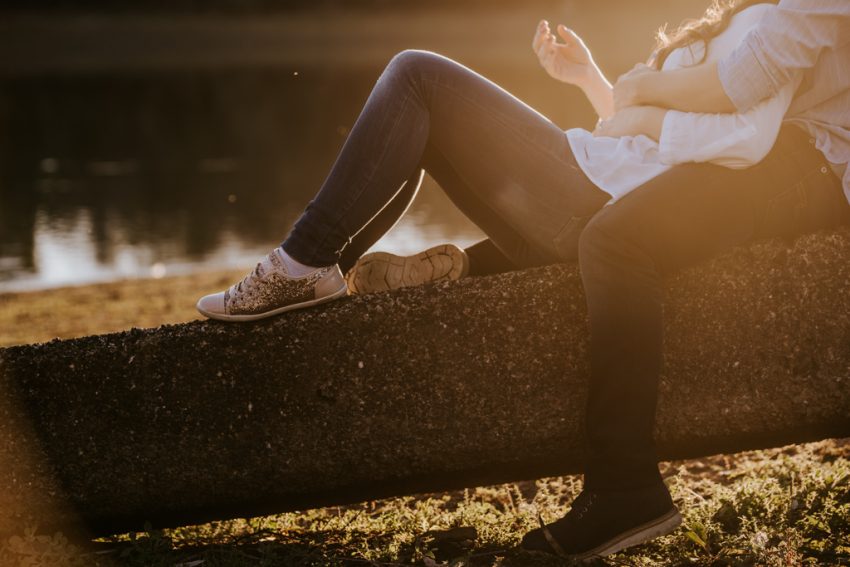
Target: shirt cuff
[743, 77]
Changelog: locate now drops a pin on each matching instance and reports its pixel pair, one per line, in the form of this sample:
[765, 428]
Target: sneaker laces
[247, 283]
[248, 280]
[580, 505]
[586, 504]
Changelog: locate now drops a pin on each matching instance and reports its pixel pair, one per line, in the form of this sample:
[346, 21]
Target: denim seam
[799, 193]
[351, 202]
[793, 189]
[569, 227]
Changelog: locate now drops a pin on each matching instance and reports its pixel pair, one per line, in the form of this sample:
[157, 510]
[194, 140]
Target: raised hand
[570, 61]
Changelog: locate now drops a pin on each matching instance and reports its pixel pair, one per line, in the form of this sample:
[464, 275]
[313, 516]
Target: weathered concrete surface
[439, 387]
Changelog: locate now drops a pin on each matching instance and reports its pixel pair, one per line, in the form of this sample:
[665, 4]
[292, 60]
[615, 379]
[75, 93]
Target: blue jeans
[506, 166]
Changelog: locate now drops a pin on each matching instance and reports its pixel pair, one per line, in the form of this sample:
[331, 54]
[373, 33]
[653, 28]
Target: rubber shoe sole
[256, 316]
[382, 271]
[643, 533]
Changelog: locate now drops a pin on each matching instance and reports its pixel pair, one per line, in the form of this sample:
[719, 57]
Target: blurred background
[145, 138]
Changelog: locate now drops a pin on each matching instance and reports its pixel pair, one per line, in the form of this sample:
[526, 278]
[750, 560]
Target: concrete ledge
[434, 388]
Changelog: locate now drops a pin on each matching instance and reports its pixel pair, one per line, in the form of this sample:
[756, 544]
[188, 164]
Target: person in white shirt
[538, 192]
[694, 211]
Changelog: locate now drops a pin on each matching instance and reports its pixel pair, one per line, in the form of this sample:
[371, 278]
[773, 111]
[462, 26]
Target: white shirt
[619, 165]
[800, 37]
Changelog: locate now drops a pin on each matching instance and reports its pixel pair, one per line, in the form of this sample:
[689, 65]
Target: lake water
[104, 178]
[128, 156]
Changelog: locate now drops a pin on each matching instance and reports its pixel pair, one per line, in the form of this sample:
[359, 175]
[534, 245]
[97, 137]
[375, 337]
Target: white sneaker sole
[382, 271]
[660, 526]
[253, 317]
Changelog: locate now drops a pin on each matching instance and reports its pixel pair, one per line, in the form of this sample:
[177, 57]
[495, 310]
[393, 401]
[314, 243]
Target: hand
[628, 90]
[633, 121]
[570, 61]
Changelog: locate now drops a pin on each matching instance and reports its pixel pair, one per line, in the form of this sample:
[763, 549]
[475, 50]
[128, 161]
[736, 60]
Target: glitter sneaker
[269, 290]
[381, 271]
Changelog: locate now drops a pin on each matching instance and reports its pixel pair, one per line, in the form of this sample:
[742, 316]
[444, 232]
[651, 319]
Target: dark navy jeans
[505, 165]
[510, 170]
[678, 219]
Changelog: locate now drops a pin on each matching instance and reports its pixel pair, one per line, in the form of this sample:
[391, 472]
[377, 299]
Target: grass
[31, 317]
[781, 507]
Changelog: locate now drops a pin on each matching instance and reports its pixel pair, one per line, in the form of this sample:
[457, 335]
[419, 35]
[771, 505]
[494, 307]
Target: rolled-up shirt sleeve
[736, 140]
[786, 42]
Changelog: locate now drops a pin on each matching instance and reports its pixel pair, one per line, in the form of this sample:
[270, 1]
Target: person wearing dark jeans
[627, 250]
[503, 164]
[678, 219]
[696, 211]
[527, 184]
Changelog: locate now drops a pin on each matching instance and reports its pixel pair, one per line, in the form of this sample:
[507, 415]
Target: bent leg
[505, 165]
[471, 135]
[685, 216]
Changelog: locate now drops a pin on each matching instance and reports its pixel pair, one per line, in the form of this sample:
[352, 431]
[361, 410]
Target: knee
[411, 62]
[597, 239]
[613, 246]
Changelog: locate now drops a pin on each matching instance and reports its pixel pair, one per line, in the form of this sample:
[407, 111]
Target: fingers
[538, 36]
[568, 35]
[539, 42]
[628, 90]
[544, 45]
[541, 36]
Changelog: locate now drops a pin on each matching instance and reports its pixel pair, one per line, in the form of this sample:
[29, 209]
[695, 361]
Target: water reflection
[163, 144]
[125, 177]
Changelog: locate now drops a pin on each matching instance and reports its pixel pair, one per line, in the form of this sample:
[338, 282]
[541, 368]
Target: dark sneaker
[601, 523]
[381, 271]
[269, 290]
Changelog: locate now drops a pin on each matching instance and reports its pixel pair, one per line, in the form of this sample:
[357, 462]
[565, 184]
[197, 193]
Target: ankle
[293, 266]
